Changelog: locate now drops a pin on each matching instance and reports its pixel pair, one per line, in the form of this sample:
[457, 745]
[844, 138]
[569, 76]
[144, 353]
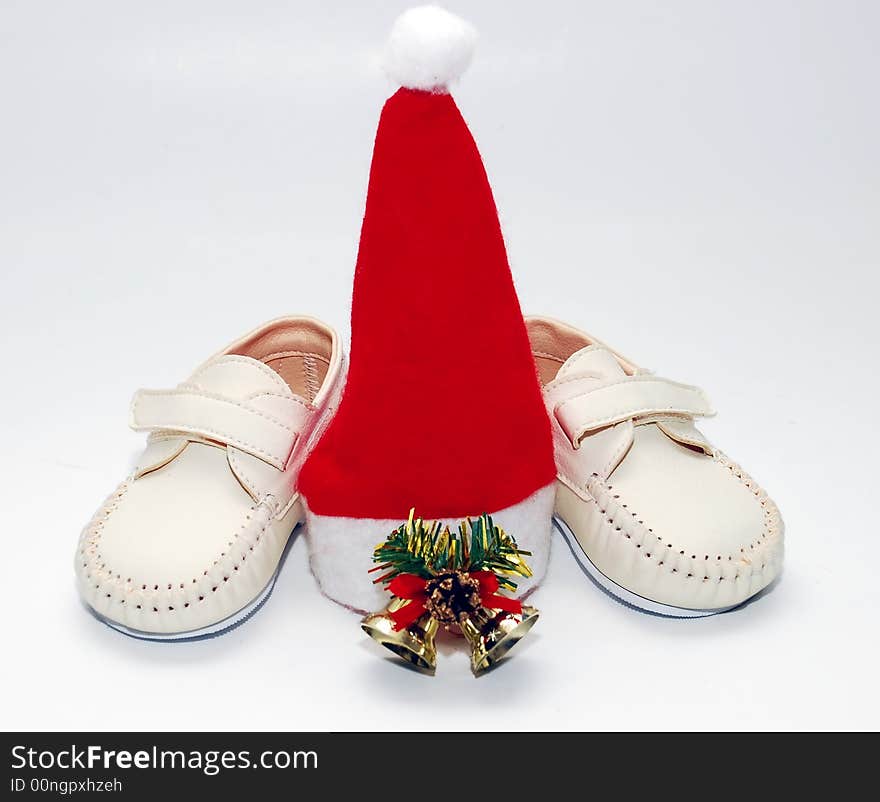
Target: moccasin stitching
[108, 581]
[626, 522]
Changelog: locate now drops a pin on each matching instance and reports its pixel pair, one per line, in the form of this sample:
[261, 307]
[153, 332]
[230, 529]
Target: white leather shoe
[190, 543]
[653, 512]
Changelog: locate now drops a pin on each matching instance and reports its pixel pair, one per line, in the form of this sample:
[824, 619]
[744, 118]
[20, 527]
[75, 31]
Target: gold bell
[492, 638]
[414, 645]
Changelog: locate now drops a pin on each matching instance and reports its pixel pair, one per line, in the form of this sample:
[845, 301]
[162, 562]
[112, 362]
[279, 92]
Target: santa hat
[442, 410]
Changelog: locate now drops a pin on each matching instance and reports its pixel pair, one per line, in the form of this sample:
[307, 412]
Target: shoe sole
[212, 630]
[620, 593]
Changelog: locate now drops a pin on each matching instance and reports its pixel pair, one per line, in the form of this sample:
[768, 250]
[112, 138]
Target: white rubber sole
[212, 630]
[620, 593]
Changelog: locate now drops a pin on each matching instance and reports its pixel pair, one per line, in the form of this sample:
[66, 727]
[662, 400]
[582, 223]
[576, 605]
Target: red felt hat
[442, 410]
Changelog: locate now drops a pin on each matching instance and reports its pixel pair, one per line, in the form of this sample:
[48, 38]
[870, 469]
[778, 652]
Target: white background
[696, 183]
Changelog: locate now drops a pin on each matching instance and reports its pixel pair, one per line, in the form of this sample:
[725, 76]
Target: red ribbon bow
[413, 588]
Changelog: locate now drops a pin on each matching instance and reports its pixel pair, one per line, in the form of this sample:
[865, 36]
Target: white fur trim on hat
[429, 48]
[341, 549]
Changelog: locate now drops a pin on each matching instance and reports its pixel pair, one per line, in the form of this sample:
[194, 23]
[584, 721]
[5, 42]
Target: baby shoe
[652, 511]
[190, 543]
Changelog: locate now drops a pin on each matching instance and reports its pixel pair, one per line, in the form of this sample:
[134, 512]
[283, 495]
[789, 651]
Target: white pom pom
[429, 48]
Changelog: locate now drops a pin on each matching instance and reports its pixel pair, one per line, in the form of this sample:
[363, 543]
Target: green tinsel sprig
[429, 549]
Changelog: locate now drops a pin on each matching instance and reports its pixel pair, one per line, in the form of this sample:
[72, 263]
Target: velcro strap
[214, 417]
[625, 399]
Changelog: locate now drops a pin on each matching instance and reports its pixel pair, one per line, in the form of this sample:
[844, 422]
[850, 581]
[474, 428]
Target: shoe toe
[167, 552]
[706, 535]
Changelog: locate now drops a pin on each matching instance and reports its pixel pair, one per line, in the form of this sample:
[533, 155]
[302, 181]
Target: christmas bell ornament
[441, 366]
[413, 644]
[452, 580]
[494, 638]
